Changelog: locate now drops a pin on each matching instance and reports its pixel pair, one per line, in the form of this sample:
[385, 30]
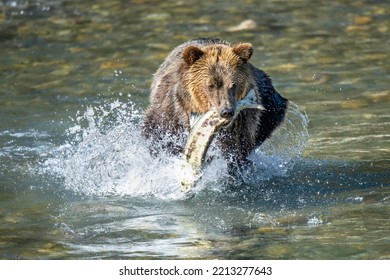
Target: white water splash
[105, 155]
[278, 154]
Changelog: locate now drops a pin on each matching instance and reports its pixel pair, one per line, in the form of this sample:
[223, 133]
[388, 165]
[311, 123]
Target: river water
[77, 181]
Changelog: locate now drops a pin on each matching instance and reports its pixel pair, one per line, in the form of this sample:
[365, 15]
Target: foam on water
[106, 155]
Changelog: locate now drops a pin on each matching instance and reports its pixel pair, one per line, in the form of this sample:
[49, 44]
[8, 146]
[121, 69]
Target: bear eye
[233, 86]
[211, 86]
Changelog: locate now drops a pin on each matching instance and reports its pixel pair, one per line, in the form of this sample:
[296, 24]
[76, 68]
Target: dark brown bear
[209, 73]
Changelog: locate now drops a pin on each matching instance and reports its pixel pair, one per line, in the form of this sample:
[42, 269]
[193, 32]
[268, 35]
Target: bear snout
[226, 112]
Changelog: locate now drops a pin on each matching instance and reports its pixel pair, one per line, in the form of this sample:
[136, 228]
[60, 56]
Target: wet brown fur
[206, 74]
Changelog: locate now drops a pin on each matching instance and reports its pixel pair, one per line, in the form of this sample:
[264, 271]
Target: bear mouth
[203, 131]
[227, 112]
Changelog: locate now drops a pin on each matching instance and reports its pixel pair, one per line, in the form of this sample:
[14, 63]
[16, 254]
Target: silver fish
[202, 134]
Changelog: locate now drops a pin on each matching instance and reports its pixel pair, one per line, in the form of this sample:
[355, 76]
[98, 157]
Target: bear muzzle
[227, 112]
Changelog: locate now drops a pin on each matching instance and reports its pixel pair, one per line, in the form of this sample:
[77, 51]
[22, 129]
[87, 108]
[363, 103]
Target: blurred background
[330, 57]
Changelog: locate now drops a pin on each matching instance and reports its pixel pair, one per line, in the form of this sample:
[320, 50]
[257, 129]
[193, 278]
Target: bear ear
[244, 51]
[192, 54]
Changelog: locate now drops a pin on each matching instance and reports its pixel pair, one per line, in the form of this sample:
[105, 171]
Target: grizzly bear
[204, 74]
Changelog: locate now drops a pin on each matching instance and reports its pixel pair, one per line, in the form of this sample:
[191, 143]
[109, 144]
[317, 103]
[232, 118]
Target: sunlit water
[76, 177]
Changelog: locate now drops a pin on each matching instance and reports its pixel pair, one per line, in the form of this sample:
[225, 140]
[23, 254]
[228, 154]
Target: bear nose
[227, 112]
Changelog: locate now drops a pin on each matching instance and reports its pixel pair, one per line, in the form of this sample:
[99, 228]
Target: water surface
[77, 181]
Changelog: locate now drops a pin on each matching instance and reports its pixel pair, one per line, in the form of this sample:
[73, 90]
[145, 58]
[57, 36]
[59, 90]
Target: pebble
[114, 64]
[352, 28]
[311, 43]
[361, 23]
[63, 70]
[245, 25]
[158, 16]
[287, 66]
[270, 230]
[383, 96]
[354, 104]
[362, 20]
[160, 46]
[279, 251]
[383, 28]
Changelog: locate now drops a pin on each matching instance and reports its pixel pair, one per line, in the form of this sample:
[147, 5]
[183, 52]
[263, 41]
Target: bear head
[217, 76]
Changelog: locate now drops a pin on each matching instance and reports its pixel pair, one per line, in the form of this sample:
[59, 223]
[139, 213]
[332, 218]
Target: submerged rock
[245, 25]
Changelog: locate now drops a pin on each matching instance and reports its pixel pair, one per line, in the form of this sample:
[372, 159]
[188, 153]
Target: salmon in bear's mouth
[203, 131]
